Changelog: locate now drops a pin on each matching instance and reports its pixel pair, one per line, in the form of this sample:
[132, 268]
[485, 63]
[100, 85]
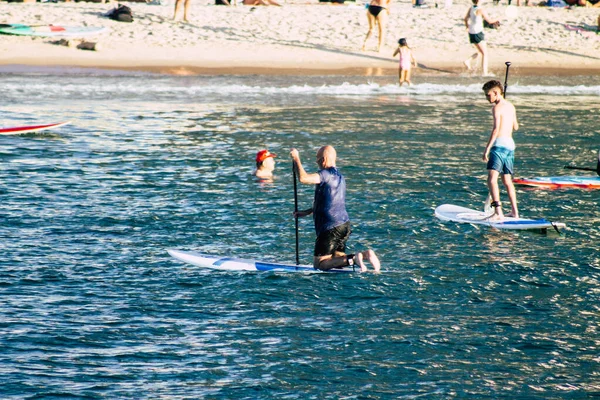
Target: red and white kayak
[29, 129]
[556, 182]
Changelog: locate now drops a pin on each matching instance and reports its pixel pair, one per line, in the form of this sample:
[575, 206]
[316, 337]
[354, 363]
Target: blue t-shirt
[329, 208]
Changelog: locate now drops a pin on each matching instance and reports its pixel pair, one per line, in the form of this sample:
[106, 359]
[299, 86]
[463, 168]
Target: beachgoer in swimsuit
[377, 14]
[332, 224]
[474, 23]
[375, 10]
[499, 152]
[406, 61]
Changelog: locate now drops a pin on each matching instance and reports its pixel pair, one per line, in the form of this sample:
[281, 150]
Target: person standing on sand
[332, 223]
[499, 152]
[474, 23]
[185, 9]
[377, 14]
[406, 61]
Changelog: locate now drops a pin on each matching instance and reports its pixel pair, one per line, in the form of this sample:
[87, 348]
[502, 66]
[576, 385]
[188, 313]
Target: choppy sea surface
[92, 306]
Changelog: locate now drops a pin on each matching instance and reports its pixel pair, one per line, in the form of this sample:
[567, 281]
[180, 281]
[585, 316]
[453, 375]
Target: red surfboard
[29, 129]
[557, 182]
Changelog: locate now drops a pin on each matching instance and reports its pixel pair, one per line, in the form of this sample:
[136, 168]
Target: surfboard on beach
[50, 30]
[557, 182]
[586, 31]
[29, 129]
[450, 212]
[238, 264]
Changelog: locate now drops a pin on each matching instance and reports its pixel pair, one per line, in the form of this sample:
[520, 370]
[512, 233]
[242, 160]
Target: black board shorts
[333, 240]
[476, 37]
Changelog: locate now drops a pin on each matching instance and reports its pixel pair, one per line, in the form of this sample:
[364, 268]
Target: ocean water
[92, 306]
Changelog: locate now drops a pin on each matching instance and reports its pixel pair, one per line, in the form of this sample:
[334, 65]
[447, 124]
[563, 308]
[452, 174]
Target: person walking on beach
[377, 14]
[186, 4]
[406, 61]
[332, 223]
[500, 149]
[265, 164]
[474, 23]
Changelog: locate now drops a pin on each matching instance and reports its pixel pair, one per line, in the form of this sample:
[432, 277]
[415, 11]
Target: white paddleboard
[449, 212]
[238, 264]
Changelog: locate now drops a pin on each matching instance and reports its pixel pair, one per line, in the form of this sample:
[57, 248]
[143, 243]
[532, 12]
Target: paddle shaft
[506, 77]
[295, 211]
[580, 168]
[597, 170]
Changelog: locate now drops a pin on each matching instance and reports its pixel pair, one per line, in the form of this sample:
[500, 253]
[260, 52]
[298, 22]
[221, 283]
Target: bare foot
[359, 260]
[468, 64]
[512, 215]
[374, 260]
[496, 217]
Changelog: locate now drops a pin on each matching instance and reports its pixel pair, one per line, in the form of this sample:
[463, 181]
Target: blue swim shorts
[502, 160]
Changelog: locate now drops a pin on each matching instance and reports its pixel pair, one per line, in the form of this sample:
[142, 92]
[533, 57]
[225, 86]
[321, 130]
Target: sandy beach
[303, 38]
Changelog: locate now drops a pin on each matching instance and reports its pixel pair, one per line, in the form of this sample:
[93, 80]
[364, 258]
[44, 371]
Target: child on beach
[406, 61]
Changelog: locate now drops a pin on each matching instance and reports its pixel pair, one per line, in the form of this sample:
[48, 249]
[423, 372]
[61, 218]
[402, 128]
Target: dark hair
[402, 42]
[493, 84]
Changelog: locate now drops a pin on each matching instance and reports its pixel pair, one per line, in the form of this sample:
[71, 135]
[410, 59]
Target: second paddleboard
[450, 212]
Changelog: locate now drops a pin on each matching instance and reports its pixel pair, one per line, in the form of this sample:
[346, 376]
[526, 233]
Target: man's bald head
[326, 156]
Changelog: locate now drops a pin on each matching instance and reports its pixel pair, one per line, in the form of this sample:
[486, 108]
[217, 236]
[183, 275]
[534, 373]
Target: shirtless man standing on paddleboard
[332, 223]
[500, 149]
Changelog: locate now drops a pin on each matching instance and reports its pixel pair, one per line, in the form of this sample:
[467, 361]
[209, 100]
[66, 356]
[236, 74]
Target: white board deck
[29, 129]
[449, 212]
[238, 264]
[555, 182]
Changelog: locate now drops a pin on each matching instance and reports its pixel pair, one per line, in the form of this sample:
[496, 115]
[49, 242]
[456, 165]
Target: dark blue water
[92, 306]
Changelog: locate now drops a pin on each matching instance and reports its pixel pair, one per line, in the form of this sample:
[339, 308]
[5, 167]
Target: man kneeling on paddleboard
[332, 223]
[500, 149]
